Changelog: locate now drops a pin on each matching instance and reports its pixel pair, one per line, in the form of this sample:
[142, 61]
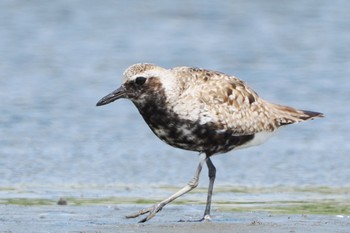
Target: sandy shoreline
[110, 218]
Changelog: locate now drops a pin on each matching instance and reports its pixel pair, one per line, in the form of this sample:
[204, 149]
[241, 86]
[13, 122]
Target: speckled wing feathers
[209, 96]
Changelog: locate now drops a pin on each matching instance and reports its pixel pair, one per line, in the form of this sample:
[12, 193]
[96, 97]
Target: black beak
[117, 94]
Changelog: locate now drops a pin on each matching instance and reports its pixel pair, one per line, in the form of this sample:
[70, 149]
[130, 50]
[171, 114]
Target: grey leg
[153, 210]
[212, 175]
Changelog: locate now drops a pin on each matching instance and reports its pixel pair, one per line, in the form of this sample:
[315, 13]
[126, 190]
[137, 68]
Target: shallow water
[58, 58]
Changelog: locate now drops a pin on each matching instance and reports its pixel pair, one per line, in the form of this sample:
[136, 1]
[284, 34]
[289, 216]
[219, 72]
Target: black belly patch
[181, 133]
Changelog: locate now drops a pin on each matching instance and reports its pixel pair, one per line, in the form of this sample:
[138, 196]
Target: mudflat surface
[105, 219]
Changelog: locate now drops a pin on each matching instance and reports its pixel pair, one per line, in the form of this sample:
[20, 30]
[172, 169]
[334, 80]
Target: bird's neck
[154, 111]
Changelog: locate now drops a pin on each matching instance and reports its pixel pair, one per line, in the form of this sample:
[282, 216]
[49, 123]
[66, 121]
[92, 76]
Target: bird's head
[141, 82]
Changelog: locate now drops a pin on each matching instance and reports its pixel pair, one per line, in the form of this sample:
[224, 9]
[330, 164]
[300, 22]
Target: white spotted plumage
[207, 96]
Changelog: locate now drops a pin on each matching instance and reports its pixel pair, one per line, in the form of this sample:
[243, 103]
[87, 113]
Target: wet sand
[110, 218]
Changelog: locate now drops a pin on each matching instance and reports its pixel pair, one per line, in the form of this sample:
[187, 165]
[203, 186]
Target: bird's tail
[288, 115]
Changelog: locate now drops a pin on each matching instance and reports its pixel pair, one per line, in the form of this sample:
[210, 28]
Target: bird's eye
[140, 80]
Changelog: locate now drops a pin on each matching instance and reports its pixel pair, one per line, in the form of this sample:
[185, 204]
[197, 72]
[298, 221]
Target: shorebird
[201, 110]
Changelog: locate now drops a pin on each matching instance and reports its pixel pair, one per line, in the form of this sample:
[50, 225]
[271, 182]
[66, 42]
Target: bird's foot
[153, 210]
[206, 218]
[141, 212]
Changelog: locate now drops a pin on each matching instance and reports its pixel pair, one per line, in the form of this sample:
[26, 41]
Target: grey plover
[201, 110]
